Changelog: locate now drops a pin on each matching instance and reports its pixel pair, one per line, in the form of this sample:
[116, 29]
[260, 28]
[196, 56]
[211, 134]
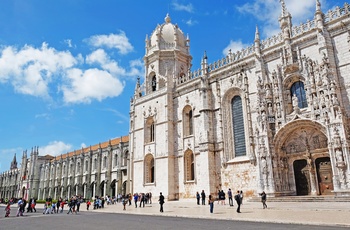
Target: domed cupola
[167, 59]
[167, 37]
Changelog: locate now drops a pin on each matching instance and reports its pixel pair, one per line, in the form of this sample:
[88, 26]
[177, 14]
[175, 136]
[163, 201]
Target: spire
[319, 16]
[318, 5]
[257, 35]
[257, 41]
[14, 162]
[284, 8]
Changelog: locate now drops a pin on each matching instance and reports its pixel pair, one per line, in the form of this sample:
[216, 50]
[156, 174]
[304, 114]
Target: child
[124, 200]
[8, 209]
[88, 203]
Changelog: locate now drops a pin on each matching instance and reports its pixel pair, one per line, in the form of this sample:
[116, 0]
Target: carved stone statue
[339, 155]
[295, 101]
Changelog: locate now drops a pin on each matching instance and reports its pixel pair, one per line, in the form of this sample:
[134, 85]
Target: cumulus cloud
[112, 41]
[55, 148]
[100, 57]
[90, 84]
[268, 12]
[234, 46]
[30, 70]
[180, 7]
[50, 74]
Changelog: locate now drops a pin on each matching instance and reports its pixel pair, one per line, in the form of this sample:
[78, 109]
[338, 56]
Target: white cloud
[30, 70]
[84, 86]
[117, 41]
[268, 12]
[181, 7]
[101, 58]
[55, 148]
[68, 42]
[136, 68]
[45, 116]
[234, 46]
[83, 145]
[191, 22]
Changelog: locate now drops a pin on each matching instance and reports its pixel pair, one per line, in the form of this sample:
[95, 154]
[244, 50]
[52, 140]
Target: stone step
[303, 199]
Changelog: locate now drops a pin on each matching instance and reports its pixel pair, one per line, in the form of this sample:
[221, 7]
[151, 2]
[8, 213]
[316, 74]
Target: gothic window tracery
[86, 166]
[238, 126]
[298, 90]
[149, 169]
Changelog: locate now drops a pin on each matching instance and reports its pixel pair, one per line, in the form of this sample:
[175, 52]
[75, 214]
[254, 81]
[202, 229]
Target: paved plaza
[306, 213]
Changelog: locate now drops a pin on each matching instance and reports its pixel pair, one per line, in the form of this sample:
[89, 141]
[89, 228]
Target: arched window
[149, 169]
[78, 168]
[238, 126]
[95, 164]
[150, 130]
[154, 83]
[298, 90]
[189, 166]
[104, 162]
[115, 160]
[86, 166]
[188, 121]
[125, 159]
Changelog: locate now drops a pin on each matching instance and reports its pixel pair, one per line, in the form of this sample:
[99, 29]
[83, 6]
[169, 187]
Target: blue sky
[68, 67]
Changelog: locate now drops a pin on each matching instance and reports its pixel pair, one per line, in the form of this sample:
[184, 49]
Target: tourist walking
[198, 197]
[136, 198]
[241, 196]
[263, 199]
[211, 204]
[8, 209]
[161, 202]
[229, 194]
[238, 201]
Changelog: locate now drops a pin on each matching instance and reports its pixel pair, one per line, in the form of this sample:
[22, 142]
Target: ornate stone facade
[98, 170]
[272, 117]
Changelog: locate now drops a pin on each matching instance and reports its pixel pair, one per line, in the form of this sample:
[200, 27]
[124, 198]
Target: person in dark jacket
[161, 202]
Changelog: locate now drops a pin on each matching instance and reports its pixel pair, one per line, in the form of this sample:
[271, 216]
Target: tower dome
[167, 36]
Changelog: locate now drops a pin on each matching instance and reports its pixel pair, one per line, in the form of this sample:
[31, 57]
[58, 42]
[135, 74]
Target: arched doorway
[113, 185]
[102, 188]
[324, 175]
[302, 177]
[124, 188]
[302, 147]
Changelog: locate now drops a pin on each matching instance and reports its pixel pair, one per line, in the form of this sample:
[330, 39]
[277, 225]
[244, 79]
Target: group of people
[21, 204]
[74, 202]
[221, 199]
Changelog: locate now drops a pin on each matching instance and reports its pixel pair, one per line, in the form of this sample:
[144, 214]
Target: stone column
[94, 191]
[84, 191]
[55, 196]
[69, 192]
[104, 188]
